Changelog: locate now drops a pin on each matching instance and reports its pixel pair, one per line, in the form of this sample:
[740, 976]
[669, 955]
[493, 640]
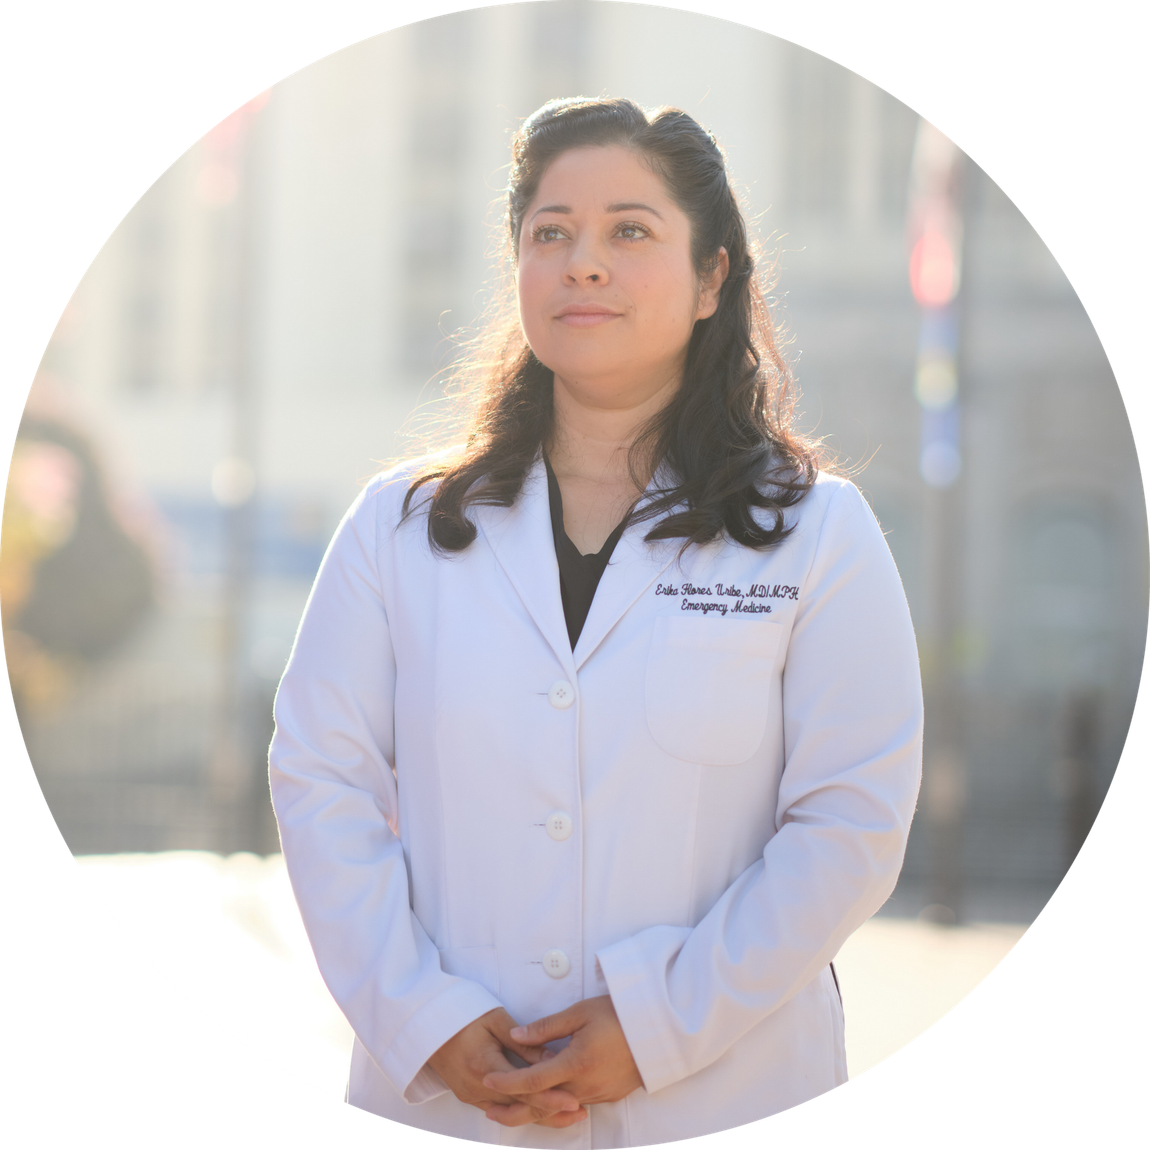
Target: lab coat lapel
[521, 538]
[634, 566]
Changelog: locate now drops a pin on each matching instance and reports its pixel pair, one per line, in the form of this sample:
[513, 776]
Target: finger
[517, 1060]
[501, 1024]
[516, 1114]
[552, 1100]
[546, 1101]
[519, 1113]
[493, 1061]
[544, 1075]
[562, 1121]
[547, 1029]
[527, 1055]
[512, 1116]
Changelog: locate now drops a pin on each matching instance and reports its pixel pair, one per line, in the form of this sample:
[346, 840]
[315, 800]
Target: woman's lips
[585, 317]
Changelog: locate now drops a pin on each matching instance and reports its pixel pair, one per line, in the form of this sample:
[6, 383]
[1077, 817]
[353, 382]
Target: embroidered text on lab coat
[716, 599]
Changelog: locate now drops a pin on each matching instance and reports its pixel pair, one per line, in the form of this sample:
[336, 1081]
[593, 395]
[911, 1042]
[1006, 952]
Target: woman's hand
[477, 1050]
[595, 1066]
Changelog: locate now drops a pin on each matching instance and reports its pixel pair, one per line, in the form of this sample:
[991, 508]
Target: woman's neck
[590, 453]
[592, 436]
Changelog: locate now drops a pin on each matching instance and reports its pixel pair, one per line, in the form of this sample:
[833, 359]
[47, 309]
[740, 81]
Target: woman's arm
[335, 798]
[852, 734]
[852, 729]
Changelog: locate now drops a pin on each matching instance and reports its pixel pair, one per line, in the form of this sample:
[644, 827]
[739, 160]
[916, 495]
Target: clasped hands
[553, 1089]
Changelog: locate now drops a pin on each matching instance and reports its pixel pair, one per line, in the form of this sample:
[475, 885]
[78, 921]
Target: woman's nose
[586, 265]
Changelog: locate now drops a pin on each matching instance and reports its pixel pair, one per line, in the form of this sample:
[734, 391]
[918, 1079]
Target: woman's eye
[632, 231]
[547, 233]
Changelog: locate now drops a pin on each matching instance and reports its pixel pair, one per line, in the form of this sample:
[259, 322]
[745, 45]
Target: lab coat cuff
[404, 1061]
[635, 970]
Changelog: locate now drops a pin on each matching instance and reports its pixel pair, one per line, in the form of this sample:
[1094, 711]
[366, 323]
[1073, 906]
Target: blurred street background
[252, 340]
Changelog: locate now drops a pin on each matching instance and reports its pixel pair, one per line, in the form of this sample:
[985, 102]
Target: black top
[579, 574]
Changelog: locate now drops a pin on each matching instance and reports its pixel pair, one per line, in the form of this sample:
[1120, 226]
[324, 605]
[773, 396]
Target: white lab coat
[692, 811]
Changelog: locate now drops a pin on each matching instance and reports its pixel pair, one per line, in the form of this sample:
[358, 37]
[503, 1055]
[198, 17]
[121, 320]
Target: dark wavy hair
[726, 439]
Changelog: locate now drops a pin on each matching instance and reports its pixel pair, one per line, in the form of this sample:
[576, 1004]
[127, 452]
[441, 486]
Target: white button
[561, 695]
[560, 825]
[556, 963]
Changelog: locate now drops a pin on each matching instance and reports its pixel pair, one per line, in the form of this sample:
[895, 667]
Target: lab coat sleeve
[335, 798]
[852, 730]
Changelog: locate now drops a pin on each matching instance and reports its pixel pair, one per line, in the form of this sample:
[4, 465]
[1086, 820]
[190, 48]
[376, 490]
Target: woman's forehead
[602, 176]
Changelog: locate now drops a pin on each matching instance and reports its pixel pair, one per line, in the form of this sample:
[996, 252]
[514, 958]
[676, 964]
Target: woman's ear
[711, 285]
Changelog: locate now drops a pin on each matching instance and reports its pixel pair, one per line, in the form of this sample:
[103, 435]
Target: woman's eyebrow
[564, 210]
[633, 207]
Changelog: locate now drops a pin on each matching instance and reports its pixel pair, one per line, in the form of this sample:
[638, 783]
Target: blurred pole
[1080, 737]
[935, 233]
[236, 782]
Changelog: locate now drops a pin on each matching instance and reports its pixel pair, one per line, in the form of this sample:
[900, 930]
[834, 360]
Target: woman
[602, 734]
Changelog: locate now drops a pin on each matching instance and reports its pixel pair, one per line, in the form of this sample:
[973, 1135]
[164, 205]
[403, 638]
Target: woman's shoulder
[821, 489]
[839, 521]
[833, 503]
[385, 494]
[830, 486]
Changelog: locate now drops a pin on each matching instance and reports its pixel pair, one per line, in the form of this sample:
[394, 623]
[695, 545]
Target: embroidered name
[729, 590]
[717, 599]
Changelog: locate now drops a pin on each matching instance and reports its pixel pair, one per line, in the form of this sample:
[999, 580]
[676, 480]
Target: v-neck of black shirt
[579, 574]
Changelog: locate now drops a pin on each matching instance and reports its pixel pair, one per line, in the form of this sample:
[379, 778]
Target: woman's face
[608, 296]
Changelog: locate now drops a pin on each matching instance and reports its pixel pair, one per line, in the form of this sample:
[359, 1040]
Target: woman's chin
[629, 380]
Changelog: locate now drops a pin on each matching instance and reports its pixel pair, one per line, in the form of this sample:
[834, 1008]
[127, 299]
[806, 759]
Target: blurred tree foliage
[74, 583]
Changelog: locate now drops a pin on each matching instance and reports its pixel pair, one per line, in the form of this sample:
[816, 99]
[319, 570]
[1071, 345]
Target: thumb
[554, 1026]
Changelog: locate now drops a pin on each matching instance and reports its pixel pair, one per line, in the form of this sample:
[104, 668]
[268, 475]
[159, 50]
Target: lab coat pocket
[707, 686]
[475, 963]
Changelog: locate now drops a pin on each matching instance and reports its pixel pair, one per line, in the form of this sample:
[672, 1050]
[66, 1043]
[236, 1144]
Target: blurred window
[818, 159]
[144, 306]
[430, 244]
[1065, 601]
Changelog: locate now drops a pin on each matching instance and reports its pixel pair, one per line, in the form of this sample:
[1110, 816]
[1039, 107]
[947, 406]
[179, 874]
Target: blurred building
[250, 340]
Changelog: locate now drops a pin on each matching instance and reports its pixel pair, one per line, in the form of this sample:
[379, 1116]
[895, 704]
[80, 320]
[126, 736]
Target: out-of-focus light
[233, 481]
[217, 184]
[933, 270]
[939, 463]
[938, 333]
[45, 477]
[935, 382]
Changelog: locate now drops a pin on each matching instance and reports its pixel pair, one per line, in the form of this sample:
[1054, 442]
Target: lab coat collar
[635, 564]
[523, 543]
